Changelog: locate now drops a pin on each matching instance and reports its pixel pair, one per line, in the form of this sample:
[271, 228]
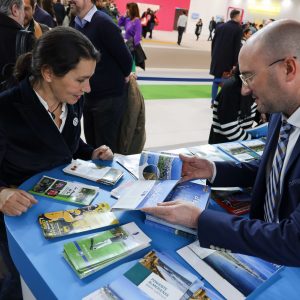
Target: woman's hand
[103, 152]
[14, 202]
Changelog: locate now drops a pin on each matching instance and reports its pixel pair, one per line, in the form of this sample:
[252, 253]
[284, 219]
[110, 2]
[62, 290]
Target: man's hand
[14, 202]
[103, 152]
[194, 168]
[176, 212]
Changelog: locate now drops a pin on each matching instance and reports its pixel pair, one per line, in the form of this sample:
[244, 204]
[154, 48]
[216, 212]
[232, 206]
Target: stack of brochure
[155, 276]
[235, 276]
[91, 254]
[74, 192]
[94, 172]
[186, 191]
[66, 222]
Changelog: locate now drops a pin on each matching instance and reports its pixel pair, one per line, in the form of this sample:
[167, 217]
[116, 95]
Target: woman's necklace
[53, 111]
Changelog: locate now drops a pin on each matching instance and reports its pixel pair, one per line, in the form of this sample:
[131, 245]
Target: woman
[246, 35]
[232, 113]
[40, 118]
[198, 28]
[40, 125]
[132, 24]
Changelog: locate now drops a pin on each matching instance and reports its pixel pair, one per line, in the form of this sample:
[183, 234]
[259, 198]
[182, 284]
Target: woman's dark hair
[61, 49]
[246, 31]
[133, 10]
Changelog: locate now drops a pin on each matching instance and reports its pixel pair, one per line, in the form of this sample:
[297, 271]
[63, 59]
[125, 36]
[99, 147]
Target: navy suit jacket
[275, 242]
[41, 16]
[30, 142]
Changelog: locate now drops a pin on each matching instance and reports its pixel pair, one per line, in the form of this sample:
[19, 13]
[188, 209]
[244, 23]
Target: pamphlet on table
[67, 222]
[94, 171]
[69, 191]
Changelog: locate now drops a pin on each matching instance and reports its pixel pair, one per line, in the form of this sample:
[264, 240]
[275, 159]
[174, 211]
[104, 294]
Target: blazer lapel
[37, 118]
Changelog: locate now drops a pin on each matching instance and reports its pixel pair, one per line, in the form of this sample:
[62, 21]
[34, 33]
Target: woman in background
[246, 35]
[198, 28]
[133, 28]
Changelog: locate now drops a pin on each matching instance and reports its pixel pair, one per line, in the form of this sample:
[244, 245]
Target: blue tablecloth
[42, 266]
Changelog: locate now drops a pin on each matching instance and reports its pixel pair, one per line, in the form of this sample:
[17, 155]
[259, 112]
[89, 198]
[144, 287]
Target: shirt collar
[294, 119]
[87, 18]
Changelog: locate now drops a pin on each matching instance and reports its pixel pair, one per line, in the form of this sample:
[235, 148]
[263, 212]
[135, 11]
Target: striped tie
[273, 186]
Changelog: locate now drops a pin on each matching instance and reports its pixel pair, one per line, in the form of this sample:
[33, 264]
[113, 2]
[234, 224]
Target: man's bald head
[277, 40]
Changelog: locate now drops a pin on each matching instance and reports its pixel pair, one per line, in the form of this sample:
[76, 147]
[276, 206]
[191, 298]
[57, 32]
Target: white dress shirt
[63, 115]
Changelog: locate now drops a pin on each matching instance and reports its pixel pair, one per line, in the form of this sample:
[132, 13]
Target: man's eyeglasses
[246, 80]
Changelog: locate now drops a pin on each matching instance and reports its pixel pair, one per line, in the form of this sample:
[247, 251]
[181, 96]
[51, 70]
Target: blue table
[46, 273]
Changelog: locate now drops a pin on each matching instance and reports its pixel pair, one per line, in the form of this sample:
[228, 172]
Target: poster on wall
[231, 8]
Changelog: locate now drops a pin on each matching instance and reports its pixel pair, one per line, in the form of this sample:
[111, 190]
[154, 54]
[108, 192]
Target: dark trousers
[210, 35]
[145, 29]
[180, 33]
[10, 285]
[101, 120]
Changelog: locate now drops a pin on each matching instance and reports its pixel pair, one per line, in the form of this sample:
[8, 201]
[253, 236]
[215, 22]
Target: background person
[272, 76]
[198, 28]
[40, 124]
[181, 25]
[104, 107]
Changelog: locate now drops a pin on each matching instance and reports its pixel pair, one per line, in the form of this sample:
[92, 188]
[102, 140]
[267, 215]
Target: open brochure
[235, 276]
[238, 152]
[156, 276]
[129, 163]
[186, 191]
[66, 222]
[210, 152]
[93, 253]
[74, 192]
[93, 171]
[255, 145]
[159, 166]
[144, 193]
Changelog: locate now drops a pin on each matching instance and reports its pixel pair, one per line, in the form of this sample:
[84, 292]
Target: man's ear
[291, 69]
[15, 10]
[47, 73]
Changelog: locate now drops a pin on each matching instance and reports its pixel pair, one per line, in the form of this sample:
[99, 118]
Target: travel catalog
[235, 276]
[156, 276]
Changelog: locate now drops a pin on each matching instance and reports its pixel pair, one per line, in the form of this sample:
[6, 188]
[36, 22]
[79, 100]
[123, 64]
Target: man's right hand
[194, 167]
[14, 202]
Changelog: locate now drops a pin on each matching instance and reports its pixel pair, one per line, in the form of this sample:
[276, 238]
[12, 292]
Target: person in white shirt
[181, 24]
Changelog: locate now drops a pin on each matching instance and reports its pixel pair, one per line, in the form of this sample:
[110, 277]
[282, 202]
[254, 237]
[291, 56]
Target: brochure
[210, 152]
[187, 191]
[144, 193]
[157, 276]
[255, 145]
[235, 276]
[258, 131]
[94, 172]
[236, 202]
[93, 253]
[74, 192]
[66, 222]
[159, 166]
[238, 152]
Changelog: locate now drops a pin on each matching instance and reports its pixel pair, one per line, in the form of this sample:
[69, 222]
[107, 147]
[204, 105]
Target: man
[225, 50]
[60, 12]
[41, 16]
[272, 75]
[29, 23]
[181, 24]
[105, 105]
[211, 28]
[11, 21]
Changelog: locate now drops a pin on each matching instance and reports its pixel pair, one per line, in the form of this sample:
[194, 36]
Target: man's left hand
[103, 152]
